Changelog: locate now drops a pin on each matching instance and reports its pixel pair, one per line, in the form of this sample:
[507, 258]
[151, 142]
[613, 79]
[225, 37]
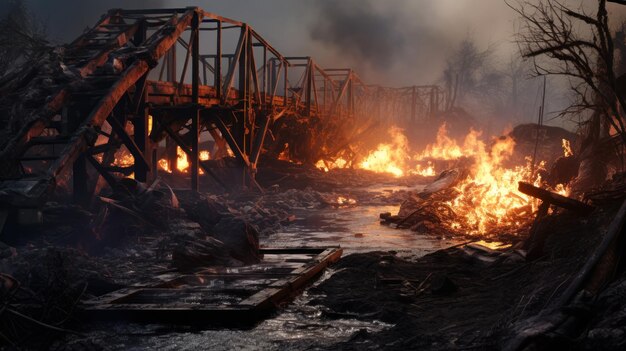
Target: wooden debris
[555, 199]
[237, 295]
[537, 237]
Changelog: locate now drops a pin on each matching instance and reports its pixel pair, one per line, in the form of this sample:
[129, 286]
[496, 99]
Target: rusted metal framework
[408, 105]
[177, 76]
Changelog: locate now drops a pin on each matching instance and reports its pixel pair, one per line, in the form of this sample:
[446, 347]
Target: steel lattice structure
[130, 77]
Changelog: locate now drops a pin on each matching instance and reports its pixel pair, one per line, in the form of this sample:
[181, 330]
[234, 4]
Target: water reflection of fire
[343, 201]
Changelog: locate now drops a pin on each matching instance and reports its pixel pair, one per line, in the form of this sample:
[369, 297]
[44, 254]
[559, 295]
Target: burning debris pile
[476, 194]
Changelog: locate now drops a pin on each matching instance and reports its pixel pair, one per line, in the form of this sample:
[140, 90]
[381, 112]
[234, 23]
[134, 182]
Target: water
[355, 229]
[299, 325]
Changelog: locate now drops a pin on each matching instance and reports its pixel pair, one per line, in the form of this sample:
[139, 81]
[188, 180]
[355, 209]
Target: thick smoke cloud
[390, 42]
[357, 29]
[406, 41]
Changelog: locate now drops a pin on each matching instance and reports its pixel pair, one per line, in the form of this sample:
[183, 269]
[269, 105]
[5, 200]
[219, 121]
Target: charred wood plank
[555, 199]
[243, 296]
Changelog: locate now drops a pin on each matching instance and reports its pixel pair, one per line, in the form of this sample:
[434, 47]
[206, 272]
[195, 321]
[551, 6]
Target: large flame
[389, 157]
[486, 198]
[182, 161]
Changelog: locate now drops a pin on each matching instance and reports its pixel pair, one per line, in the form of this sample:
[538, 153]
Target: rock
[6, 251]
[208, 212]
[240, 238]
[193, 253]
[441, 284]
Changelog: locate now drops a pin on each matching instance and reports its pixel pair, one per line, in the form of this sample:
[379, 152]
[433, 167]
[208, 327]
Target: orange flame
[567, 148]
[124, 159]
[182, 161]
[389, 157]
[487, 199]
[327, 165]
[164, 165]
[204, 155]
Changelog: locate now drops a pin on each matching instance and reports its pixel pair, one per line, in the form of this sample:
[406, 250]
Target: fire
[389, 157]
[124, 159]
[494, 245]
[444, 147]
[427, 171]
[182, 161]
[488, 197]
[322, 165]
[327, 165]
[284, 155]
[164, 165]
[204, 155]
[342, 201]
[567, 148]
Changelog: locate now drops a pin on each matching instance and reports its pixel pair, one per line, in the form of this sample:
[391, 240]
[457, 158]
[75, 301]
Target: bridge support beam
[80, 178]
[195, 91]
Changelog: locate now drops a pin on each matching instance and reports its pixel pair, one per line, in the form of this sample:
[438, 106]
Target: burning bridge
[141, 78]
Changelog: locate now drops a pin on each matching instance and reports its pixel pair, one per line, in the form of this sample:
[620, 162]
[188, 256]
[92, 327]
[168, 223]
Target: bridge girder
[130, 69]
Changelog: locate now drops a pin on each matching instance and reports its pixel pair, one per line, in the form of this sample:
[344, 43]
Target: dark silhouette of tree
[22, 35]
[579, 46]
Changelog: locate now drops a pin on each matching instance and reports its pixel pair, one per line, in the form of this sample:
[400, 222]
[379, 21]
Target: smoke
[359, 30]
[405, 41]
[67, 19]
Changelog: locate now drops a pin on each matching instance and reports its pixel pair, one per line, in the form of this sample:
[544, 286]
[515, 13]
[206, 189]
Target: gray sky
[391, 42]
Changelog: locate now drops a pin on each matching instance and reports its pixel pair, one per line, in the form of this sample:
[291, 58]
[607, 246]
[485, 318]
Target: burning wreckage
[131, 190]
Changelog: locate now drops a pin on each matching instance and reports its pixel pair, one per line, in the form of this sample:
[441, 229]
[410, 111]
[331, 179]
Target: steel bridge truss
[178, 76]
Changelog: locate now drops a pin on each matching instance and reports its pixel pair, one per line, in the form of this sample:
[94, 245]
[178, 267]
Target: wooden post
[217, 82]
[309, 86]
[413, 102]
[240, 128]
[350, 94]
[285, 84]
[265, 89]
[195, 120]
[79, 181]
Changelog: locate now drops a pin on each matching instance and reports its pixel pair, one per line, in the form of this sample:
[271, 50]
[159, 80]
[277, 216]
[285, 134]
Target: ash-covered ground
[393, 289]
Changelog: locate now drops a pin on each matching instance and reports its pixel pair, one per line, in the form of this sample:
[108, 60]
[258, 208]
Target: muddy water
[355, 229]
[299, 325]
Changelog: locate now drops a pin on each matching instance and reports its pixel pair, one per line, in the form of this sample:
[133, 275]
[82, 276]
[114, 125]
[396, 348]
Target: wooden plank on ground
[236, 296]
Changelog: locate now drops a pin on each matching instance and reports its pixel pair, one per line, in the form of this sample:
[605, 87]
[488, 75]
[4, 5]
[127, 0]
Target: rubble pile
[25, 91]
[488, 293]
